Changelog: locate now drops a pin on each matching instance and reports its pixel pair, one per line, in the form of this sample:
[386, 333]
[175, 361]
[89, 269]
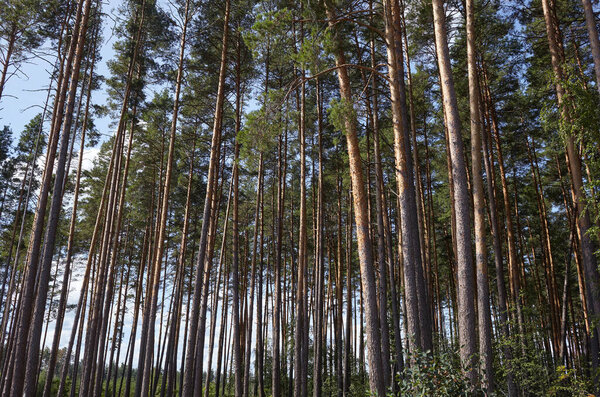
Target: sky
[26, 91]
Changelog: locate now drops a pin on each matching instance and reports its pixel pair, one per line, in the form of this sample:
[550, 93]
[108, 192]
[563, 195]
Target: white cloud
[89, 155]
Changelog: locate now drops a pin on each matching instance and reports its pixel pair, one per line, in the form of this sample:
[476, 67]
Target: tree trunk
[554, 304]
[483, 293]
[67, 267]
[52, 225]
[466, 309]
[12, 38]
[592, 279]
[499, 264]
[348, 332]
[18, 376]
[319, 261]
[301, 375]
[237, 346]
[417, 301]
[193, 379]
[365, 253]
[277, 318]
[153, 298]
[591, 24]
[250, 321]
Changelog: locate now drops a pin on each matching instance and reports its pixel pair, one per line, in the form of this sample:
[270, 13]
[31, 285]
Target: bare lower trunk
[55, 209]
[499, 264]
[590, 267]
[153, 298]
[191, 376]
[417, 301]
[464, 259]
[483, 294]
[365, 252]
[301, 375]
[319, 263]
[28, 296]
[235, 287]
[67, 267]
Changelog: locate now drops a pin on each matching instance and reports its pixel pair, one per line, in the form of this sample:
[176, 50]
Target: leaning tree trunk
[67, 267]
[590, 267]
[18, 376]
[55, 209]
[153, 298]
[365, 250]
[7, 55]
[101, 298]
[191, 379]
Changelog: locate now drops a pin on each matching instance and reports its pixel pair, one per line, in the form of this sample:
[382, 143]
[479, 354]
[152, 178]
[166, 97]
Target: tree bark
[162, 226]
[52, 225]
[591, 24]
[466, 309]
[483, 293]
[590, 267]
[67, 267]
[237, 346]
[498, 262]
[192, 379]
[250, 321]
[365, 251]
[417, 301]
[319, 261]
[301, 375]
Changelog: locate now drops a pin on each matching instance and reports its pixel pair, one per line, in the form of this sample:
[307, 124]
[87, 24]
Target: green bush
[435, 375]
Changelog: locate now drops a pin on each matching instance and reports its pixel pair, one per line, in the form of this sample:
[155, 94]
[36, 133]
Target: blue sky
[25, 92]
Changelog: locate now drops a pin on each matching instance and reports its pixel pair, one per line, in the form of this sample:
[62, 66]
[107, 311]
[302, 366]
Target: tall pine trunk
[365, 250]
[192, 378]
[417, 301]
[483, 294]
[464, 259]
[586, 245]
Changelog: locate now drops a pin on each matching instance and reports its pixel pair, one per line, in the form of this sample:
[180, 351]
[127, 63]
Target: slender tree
[365, 250]
[192, 375]
[590, 267]
[465, 288]
[484, 320]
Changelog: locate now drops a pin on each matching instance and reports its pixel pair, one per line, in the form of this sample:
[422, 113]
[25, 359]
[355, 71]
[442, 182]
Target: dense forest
[279, 198]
